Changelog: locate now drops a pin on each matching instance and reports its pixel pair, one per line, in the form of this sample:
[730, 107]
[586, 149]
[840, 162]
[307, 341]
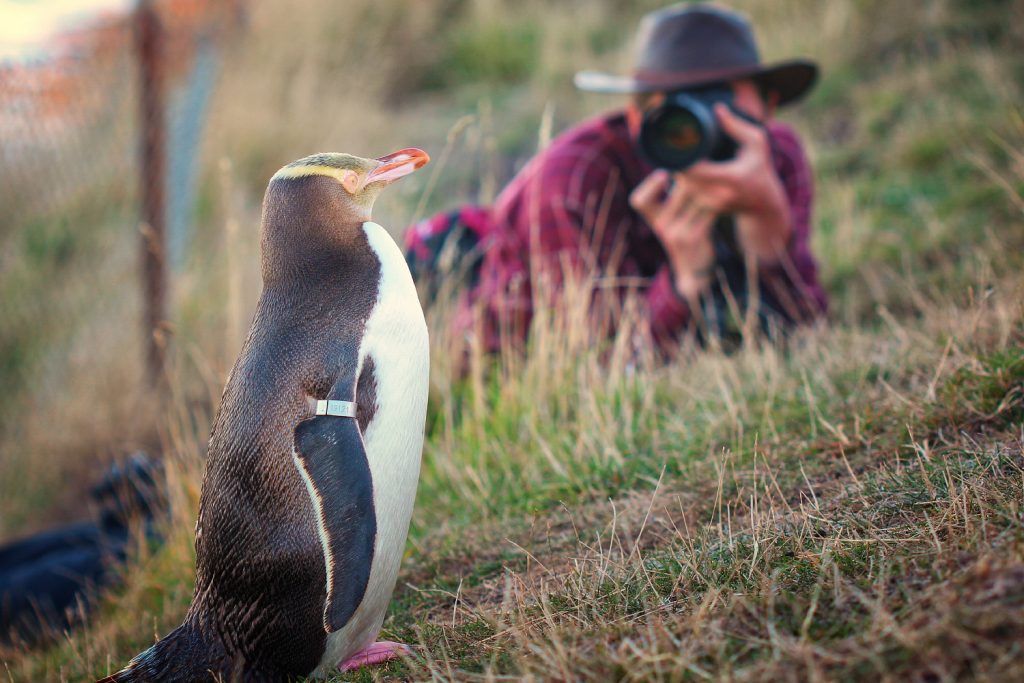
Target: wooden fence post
[150, 49]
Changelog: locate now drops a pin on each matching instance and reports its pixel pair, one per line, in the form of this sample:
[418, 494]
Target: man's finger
[679, 197]
[705, 222]
[648, 195]
[736, 126]
[698, 216]
[714, 171]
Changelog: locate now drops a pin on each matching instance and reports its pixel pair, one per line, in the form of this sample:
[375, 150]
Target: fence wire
[72, 184]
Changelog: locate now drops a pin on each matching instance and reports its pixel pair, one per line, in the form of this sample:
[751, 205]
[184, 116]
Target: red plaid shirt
[569, 208]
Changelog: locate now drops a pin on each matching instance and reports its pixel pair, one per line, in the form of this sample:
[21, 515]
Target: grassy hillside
[849, 506]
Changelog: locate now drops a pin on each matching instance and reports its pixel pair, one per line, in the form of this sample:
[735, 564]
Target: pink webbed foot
[375, 654]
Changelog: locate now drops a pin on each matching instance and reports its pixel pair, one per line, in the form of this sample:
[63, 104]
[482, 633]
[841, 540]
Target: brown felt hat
[692, 45]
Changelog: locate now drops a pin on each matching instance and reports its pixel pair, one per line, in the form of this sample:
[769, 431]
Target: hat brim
[790, 79]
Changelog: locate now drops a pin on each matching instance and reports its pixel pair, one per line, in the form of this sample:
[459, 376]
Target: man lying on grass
[692, 196]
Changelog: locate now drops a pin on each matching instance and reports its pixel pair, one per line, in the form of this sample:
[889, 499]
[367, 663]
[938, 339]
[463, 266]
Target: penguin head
[360, 179]
[314, 207]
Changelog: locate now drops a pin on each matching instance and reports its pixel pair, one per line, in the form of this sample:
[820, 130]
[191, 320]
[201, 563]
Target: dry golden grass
[842, 549]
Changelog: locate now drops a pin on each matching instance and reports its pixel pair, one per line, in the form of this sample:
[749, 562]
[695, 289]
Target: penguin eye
[351, 181]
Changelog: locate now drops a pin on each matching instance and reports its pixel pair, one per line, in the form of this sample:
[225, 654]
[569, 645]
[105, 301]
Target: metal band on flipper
[336, 408]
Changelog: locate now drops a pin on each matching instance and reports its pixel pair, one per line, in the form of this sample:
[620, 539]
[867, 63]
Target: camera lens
[677, 134]
[684, 130]
[679, 131]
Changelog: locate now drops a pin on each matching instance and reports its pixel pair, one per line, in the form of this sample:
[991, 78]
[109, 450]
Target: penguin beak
[397, 165]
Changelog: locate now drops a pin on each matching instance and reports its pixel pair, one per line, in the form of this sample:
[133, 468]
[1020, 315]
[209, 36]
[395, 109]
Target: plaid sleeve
[795, 279]
[566, 213]
[582, 218]
[547, 231]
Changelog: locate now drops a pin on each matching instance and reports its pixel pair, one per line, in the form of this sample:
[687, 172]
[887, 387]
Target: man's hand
[682, 209]
[684, 227]
[746, 186]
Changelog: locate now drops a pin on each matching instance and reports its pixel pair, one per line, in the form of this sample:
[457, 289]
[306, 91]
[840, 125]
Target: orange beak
[397, 165]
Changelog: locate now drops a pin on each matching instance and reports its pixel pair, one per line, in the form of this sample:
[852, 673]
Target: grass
[846, 506]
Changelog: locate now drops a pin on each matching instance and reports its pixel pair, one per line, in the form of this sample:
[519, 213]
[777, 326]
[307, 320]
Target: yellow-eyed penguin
[314, 456]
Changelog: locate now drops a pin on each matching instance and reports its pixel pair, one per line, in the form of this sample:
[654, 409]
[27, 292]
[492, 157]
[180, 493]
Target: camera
[684, 129]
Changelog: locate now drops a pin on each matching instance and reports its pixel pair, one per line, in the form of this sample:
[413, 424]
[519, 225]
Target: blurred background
[130, 128]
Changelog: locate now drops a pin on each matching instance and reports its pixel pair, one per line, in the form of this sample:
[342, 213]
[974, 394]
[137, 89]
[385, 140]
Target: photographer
[692, 191]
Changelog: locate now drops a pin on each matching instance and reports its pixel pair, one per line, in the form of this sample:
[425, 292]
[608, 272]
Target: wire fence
[78, 180]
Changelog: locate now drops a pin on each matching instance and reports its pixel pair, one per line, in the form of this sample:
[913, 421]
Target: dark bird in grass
[314, 456]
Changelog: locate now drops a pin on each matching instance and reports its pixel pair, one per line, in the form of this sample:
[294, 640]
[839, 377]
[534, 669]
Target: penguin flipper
[332, 459]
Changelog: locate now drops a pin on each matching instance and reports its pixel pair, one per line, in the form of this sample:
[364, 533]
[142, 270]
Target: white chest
[396, 339]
